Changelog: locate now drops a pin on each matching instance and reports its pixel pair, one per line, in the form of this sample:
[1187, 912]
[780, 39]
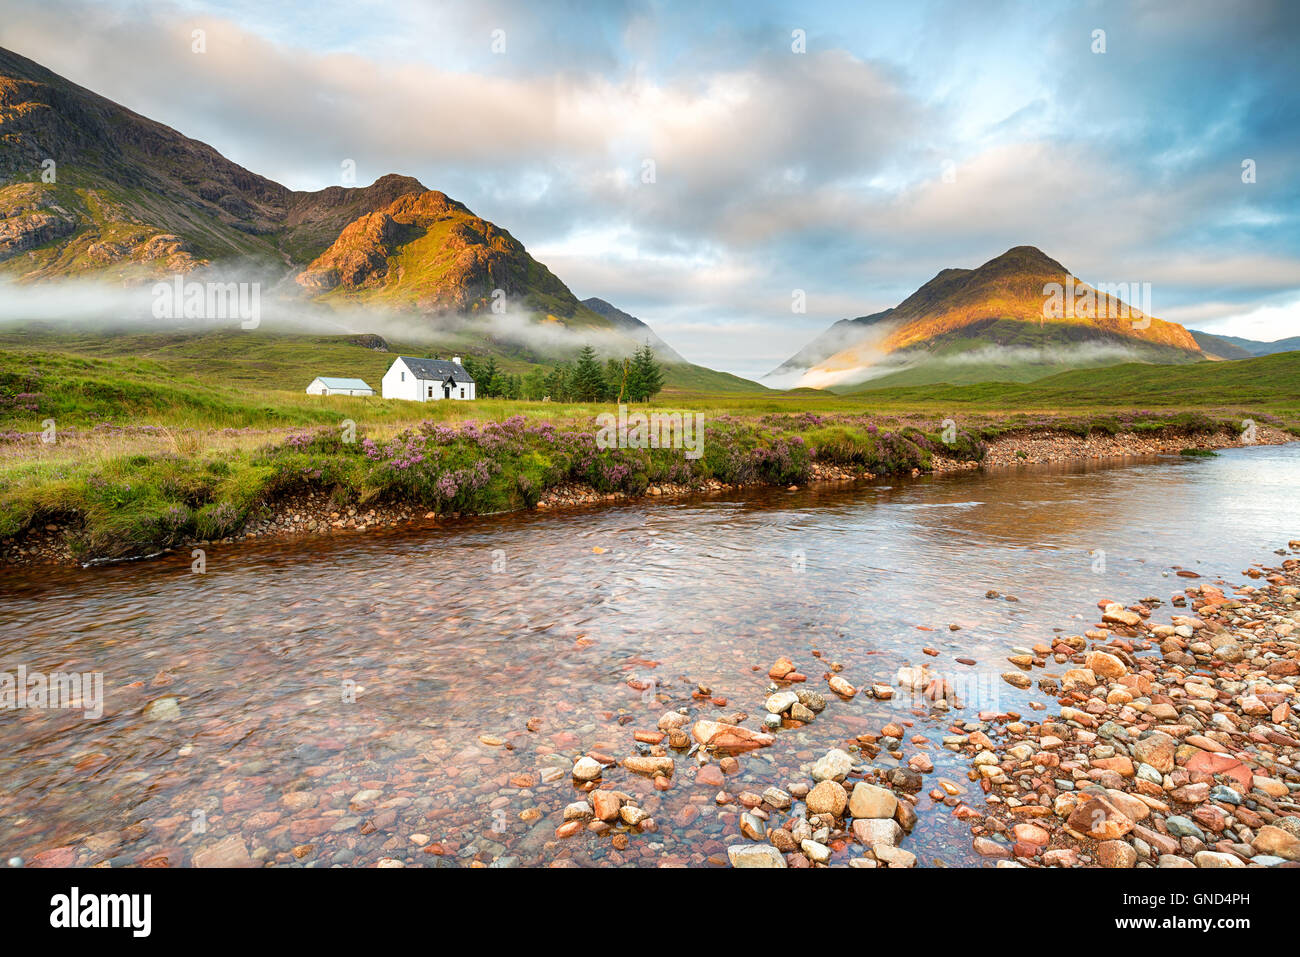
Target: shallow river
[394, 662]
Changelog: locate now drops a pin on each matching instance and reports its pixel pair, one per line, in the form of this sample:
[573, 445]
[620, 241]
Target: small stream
[409, 663]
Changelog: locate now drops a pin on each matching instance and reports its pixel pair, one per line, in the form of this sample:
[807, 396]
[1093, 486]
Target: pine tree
[649, 376]
[588, 382]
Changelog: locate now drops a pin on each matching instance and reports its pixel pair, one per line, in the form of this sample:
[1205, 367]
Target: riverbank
[315, 484]
[1175, 744]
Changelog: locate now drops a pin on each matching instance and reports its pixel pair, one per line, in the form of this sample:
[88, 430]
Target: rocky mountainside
[992, 317]
[90, 187]
[431, 252]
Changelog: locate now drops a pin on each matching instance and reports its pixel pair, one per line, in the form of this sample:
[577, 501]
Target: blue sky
[775, 170]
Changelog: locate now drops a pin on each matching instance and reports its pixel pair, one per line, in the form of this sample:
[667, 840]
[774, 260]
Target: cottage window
[462, 393]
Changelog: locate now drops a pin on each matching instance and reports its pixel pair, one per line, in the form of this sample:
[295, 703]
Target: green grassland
[167, 438]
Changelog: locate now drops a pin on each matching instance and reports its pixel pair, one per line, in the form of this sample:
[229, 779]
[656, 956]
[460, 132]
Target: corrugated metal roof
[436, 369]
[333, 383]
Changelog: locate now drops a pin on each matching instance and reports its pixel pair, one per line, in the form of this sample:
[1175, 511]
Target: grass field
[184, 439]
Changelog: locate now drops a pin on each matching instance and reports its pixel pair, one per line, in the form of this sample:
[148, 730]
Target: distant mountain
[1232, 347]
[993, 322]
[634, 327]
[89, 188]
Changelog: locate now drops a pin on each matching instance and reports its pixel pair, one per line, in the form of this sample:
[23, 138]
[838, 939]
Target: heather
[140, 503]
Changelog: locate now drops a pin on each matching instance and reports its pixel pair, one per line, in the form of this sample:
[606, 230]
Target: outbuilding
[329, 385]
[427, 380]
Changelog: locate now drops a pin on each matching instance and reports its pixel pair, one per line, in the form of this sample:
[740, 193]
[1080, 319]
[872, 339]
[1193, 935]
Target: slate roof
[437, 369]
[333, 383]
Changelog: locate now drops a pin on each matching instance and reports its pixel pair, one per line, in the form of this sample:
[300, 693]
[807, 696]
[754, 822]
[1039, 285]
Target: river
[402, 668]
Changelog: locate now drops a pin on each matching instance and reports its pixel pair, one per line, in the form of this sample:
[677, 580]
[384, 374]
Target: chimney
[456, 359]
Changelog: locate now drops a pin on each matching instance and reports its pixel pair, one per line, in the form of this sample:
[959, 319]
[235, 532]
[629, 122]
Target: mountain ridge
[947, 315]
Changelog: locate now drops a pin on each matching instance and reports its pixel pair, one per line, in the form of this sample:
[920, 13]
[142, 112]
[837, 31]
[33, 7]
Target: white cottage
[427, 380]
[328, 385]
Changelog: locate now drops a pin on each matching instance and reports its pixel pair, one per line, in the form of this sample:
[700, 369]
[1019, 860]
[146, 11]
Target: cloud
[773, 171]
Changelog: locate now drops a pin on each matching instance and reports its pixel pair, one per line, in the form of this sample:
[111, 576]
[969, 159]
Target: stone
[874, 830]
[894, 856]
[646, 764]
[1098, 818]
[781, 702]
[1156, 749]
[228, 852]
[1105, 664]
[754, 855]
[1276, 842]
[870, 801]
[834, 765]
[1217, 859]
[841, 687]
[586, 769]
[828, 797]
[815, 852]
[1116, 854]
[729, 737]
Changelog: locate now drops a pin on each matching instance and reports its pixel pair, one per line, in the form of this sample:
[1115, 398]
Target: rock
[834, 765]
[781, 702]
[1105, 664]
[1276, 842]
[841, 687]
[581, 810]
[811, 700]
[828, 797]
[1156, 749]
[1180, 826]
[754, 855]
[799, 713]
[894, 856]
[605, 804]
[1098, 818]
[162, 709]
[671, 719]
[780, 669]
[986, 847]
[710, 775]
[870, 801]
[753, 827]
[1217, 859]
[586, 769]
[1017, 679]
[729, 737]
[817, 853]
[874, 830]
[1116, 854]
[777, 798]
[228, 852]
[632, 816]
[653, 766]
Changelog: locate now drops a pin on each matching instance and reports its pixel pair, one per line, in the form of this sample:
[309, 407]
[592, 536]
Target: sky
[707, 166]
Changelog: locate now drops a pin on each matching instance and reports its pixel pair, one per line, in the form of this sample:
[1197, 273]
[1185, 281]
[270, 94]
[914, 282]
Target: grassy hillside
[1268, 382]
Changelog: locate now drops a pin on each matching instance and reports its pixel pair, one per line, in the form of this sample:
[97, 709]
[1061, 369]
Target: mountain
[130, 198]
[995, 321]
[1232, 347]
[91, 189]
[634, 327]
[428, 251]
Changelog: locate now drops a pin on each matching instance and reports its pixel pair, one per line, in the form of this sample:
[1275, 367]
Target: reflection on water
[450, 642]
